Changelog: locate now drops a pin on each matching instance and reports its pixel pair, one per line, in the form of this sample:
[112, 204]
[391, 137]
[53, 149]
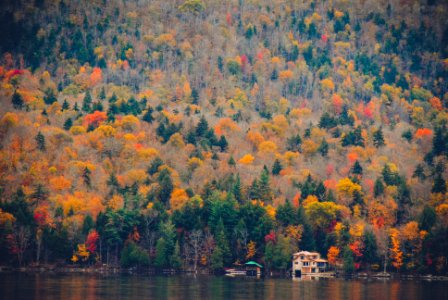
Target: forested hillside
[196, 134]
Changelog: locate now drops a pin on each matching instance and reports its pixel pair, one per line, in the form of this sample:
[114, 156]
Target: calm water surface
[83, 287]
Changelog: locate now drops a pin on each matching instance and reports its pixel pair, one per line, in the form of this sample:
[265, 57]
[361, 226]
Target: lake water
[83, 287]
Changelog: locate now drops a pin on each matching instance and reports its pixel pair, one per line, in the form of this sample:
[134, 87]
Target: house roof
[321, 260]
[252, 263]
[306, 253]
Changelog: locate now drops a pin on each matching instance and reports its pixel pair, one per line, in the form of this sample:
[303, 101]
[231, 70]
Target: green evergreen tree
[389, 177]
[307, 243]
[156, 163]
[49, 97]
[166, 186]
[202, 127]
[357, 168]
[87, 102]
[427, 218]
[102, 95]
[378, 138]
[161, 259]
[370, 248]
[87, 224]
[40, 140]
[440, 141]
[222, 243]
[286, 214]
[231, 161]
[277, 167]
[17, 100]
[407, 135]
[237, 189]
[86, 177]
[323, 148]
[439, 185]
[264, 189]
[133, 255]
[216, 259]
[419, 172]
[65, 105]
[195, 96]
[175, 259]
[326, 121]
[147, 117]
[97, 106]
[349, 265]
[222, 143]
[68, 124]
[113, 98]
[378, 189]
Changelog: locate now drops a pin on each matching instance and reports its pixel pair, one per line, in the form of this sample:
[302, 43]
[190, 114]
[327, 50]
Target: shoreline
[169, 272]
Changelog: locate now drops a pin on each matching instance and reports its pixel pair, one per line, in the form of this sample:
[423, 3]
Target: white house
[305, 262]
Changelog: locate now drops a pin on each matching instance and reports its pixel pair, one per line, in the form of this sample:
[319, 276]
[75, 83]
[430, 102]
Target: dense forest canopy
[197, 134]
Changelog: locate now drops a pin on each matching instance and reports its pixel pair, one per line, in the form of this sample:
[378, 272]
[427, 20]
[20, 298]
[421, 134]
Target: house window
[302, 257]
[296, 263]
[305, 264]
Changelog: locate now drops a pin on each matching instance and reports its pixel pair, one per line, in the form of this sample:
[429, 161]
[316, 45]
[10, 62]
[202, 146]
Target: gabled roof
[252, 263]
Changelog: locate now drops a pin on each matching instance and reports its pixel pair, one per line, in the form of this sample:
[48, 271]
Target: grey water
[48, 286]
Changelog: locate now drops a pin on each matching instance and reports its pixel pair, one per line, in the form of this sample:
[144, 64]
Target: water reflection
[83, 287]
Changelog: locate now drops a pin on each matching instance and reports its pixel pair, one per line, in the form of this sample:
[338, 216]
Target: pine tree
[231, 161]
[264, 189]
[277, 167]
[349, 266]
[222, 143]
[97, 106]
[427, 218]
[49, 97]
[65, 105]
[202, 127]
[378, 138]
[389, 177]
[439, 185]
[40, 140]
[87, 102]
[17, 100]
[175, 259]
[357, 169]
[86, 177]
[323, 148]
[440, 141]
[378, 189]
[113, 98]
[166, 185]
[407, 135]
[161, 259]
[102, 95]
[419, 172]
[68, 124]
[216, 260]
[147, 117]
[307, 243]
[370, 248]
[326, 121]
[195, 96]
[222, 242]
[294, 143]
